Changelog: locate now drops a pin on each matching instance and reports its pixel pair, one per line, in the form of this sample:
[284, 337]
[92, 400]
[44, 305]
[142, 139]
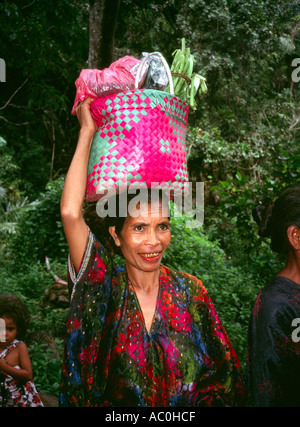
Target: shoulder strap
[9, 348]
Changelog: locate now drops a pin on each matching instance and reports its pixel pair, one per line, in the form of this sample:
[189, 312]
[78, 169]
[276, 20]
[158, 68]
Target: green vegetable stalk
[186, 82]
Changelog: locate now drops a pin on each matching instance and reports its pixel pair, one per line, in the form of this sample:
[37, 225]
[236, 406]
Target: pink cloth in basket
[118, 77]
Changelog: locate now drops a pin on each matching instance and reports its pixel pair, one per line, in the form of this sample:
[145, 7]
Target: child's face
[10, 330]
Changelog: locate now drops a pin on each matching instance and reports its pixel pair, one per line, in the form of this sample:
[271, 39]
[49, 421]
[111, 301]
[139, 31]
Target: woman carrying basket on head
[140, 334]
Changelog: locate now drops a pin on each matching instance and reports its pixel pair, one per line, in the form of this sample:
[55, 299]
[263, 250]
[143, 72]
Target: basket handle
[137, 77]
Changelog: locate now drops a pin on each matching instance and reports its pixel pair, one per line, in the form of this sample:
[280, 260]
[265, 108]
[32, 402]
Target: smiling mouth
[150, 255]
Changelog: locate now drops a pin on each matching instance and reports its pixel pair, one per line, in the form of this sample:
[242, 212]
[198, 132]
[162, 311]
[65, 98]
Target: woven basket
[140, 141]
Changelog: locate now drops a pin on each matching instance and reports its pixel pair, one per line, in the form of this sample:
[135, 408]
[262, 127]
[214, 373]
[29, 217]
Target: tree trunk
[103, 19]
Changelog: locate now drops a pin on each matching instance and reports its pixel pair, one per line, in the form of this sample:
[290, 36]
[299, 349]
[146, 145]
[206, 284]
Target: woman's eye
[163, 227]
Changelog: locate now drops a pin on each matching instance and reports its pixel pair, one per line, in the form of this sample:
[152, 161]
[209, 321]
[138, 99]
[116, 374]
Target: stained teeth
[150, 255]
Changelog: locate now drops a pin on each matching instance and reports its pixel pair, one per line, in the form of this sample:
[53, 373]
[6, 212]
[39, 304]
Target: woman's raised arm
[73, 195]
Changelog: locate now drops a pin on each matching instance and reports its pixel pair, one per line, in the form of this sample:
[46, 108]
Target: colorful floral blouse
[110, 359]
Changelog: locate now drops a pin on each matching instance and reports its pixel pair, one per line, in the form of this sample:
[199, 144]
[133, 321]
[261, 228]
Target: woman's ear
[293, 234]
[112, 232]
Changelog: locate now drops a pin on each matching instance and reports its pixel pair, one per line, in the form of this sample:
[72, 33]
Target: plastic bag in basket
[118, 77]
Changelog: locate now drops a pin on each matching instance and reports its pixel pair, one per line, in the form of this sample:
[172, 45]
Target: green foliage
[29, 281]
[9, 171]
[49, 319]
[39, 231]
[240, 46]
[46, 365]
[45, 45]
[237, 196]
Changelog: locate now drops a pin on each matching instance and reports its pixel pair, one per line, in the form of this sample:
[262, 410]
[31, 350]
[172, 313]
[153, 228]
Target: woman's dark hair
[274, 218]
[99, 225]
[13, 307]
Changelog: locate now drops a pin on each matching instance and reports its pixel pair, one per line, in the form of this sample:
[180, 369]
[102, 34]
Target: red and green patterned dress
[110, 359]
[17, 393]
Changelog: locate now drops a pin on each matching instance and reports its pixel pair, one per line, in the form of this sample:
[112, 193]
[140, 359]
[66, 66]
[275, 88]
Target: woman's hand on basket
[84, 116]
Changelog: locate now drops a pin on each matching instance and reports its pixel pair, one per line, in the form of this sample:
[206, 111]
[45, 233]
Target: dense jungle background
[243, 142]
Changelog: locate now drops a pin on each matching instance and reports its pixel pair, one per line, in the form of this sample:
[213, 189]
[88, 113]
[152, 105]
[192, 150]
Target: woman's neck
[146, 288]
[292, 268]
[144, 280]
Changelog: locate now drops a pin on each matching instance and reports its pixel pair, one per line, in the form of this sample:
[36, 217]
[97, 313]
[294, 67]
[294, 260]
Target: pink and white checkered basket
[140, 141]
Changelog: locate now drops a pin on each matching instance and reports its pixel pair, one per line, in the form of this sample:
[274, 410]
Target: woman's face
[145, 238]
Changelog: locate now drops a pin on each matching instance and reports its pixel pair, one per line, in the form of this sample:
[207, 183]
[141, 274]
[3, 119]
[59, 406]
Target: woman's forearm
[73, 195]
[75, 183]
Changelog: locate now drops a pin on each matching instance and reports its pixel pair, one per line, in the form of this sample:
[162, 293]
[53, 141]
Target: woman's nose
[152, 237]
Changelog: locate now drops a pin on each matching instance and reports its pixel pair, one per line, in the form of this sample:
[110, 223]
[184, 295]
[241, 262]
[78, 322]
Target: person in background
[273, 359]
[138, 334]
[16, 386]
